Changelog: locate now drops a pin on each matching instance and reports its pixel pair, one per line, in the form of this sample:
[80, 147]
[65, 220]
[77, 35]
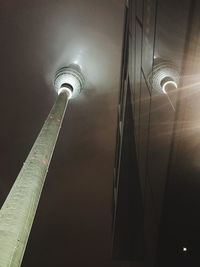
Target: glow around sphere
[65, 89]
[168, 83]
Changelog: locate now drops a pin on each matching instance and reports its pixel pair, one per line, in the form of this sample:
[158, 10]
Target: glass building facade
[155, 197]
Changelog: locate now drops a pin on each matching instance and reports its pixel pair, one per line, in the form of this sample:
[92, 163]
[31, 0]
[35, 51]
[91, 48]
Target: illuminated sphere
[69, 78]
[164, 73]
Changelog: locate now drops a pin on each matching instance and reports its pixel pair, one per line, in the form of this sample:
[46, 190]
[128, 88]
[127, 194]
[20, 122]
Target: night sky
[73, 221]
[72, 226]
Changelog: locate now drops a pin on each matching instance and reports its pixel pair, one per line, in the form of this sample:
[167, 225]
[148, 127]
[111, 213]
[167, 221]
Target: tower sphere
[69, 78]
[164, 73]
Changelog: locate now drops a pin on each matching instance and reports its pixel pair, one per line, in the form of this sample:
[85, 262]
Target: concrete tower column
[18, 211]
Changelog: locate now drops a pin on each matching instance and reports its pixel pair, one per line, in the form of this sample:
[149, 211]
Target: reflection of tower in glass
[18, 211]
[164, 78]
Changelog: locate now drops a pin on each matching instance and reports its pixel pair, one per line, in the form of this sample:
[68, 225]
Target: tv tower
[18, 211]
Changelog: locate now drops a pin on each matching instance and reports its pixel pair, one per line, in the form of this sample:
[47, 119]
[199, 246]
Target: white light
[167, 83]
[65, 89]
[76, 62]
[184, 249]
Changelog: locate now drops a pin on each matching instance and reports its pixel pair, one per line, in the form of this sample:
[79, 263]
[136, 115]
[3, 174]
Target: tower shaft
[18, 211]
